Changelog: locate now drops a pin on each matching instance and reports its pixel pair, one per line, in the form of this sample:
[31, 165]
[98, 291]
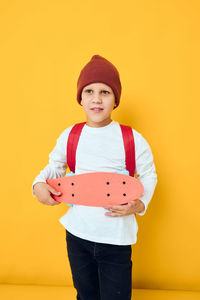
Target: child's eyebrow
[103, 89]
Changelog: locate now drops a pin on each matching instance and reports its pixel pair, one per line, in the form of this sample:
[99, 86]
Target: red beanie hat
[99, 69]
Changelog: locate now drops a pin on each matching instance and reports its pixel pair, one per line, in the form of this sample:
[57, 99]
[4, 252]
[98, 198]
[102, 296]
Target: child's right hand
[43, 193]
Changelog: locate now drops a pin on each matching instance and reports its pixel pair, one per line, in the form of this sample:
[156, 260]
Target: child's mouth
[97, 110]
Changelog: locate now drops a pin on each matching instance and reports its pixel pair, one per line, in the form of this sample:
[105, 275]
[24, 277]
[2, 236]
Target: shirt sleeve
[145, 169]
[57, 161]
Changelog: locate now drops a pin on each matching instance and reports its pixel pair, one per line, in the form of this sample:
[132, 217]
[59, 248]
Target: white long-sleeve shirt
[101, 149]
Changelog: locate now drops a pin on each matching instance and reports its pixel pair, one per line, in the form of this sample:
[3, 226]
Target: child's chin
[97, 120]
[97, 117]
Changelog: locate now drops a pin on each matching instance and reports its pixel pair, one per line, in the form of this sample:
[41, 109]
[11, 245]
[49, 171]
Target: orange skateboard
[97, 189]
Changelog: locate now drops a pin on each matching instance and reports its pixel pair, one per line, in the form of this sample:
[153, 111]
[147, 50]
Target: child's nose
[97, 99]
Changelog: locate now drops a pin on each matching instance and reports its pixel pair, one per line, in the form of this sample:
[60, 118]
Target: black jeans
[100, 271]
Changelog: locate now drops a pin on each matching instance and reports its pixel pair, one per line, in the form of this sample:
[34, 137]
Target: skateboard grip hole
[124, 194]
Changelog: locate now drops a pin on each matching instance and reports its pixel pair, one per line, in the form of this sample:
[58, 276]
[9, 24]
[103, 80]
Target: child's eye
[105, 91]
[87, 90]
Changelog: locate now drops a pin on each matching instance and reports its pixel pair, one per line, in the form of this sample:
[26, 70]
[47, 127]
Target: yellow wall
[155, 46]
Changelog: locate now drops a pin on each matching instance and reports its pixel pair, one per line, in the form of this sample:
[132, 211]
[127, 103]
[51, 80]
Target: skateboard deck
[97, 189]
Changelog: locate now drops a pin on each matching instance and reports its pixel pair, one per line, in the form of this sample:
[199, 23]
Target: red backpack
[129, 146]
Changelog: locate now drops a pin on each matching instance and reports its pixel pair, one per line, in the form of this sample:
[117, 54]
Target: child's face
[98, 95]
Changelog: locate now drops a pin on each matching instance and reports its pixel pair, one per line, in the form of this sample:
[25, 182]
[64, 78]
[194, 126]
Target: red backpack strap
[129, 145]
[72, 143]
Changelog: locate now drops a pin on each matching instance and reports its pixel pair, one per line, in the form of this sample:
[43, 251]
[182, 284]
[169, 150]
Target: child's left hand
[133, 207]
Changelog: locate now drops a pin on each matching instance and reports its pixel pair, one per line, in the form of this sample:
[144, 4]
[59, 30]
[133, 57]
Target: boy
[98, 240]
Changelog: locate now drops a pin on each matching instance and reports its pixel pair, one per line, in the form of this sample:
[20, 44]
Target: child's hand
[43, 193]
[133, 207]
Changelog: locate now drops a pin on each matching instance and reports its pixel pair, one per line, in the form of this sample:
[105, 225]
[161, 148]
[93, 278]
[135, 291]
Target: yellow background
[155, 47]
